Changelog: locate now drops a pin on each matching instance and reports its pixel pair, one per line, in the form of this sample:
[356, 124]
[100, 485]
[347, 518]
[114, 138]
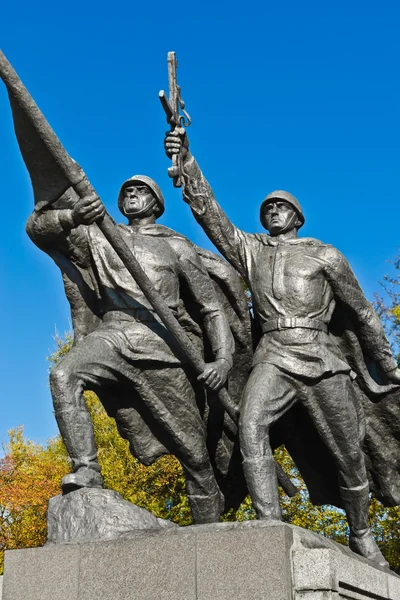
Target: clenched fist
[88, 210]
[176, 142]
[215, 374]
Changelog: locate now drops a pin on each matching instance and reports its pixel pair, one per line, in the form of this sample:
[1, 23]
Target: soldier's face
[136, 199]
[279, 217]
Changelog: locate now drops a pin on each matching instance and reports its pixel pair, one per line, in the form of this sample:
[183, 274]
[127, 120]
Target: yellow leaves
[396, 312]
[385, 524]
[29, 475]
[63, 346]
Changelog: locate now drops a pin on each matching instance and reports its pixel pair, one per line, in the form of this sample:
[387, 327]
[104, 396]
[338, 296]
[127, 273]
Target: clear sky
[302, 96]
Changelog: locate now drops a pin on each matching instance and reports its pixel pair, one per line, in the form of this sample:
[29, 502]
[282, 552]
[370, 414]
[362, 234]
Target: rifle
[173, 108]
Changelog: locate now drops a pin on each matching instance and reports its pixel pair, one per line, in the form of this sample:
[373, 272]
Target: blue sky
[303, 96]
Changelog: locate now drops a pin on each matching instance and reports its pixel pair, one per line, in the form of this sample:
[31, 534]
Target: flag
[48, 163]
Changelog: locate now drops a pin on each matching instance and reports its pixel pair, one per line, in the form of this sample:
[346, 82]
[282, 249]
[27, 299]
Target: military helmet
[142, 179]
[287, 197]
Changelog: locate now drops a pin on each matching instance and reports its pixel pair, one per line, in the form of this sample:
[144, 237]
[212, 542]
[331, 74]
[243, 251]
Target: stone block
[243, 563]
[311, 566]
[145, 568]
[49, 573]
[394, 588]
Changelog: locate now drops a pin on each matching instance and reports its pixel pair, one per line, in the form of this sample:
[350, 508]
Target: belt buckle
[284, 323]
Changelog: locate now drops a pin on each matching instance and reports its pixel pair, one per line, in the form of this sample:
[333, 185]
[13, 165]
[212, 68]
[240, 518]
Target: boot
[82, 478]
[206, 509]
[262, 482]
[76, 430]
[361, 541]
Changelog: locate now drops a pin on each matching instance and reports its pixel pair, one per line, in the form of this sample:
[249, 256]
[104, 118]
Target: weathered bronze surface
[318, 342]
[154, 322]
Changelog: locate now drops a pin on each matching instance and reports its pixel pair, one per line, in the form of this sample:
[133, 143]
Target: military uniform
[130, 359]
[295, 286]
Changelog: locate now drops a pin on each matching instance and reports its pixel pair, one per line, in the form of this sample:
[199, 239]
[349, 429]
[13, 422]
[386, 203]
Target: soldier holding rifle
[297, 284]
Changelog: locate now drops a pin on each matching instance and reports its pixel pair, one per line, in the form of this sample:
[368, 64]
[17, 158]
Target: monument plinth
[245, 561]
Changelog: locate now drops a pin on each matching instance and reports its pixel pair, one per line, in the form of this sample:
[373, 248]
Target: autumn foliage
[29, 475]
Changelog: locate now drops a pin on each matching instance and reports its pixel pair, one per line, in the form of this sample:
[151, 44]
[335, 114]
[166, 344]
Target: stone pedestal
[239, 561]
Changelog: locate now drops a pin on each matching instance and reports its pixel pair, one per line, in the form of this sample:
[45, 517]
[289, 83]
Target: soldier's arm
[201, 287]
[197, 192]
[62, 228]
[346, 287]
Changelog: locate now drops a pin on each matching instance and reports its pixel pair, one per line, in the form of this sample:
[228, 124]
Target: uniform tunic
[295, 284]
[130, 359]
[293, 279]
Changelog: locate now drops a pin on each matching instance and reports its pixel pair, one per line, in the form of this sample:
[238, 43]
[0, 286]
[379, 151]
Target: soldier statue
[298, 285]
[122, 350]
[158, 323]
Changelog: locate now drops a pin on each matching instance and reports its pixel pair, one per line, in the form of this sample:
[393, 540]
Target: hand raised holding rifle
[176, 143]
[177, 119]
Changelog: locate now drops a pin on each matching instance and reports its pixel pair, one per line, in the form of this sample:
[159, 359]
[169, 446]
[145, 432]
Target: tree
[388, 305]
[29, 475]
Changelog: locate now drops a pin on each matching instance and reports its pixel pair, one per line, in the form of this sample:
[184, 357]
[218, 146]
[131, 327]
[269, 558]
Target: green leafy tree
[30, 474]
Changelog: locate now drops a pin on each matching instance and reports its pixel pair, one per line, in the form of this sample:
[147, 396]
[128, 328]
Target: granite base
[240, 561]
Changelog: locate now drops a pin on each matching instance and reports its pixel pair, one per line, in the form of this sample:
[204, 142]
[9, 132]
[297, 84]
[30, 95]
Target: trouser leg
[73, 418]
[68, 380]
[262, 483]
[206, 500]
[267, 396]
[335, 409]
[183, 434]
[361, 541]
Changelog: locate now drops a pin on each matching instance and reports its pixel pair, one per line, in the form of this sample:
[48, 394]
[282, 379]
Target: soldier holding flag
[146, 317]
[130, 360]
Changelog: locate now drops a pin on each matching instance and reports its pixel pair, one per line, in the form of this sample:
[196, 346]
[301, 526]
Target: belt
[132, 314]
[278, 323]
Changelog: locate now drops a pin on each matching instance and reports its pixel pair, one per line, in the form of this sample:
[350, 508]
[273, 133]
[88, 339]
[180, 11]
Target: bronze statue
[129, 359]
[307, 303]
[152, 336]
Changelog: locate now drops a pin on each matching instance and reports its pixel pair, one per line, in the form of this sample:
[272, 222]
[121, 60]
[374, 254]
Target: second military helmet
[287, 197]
